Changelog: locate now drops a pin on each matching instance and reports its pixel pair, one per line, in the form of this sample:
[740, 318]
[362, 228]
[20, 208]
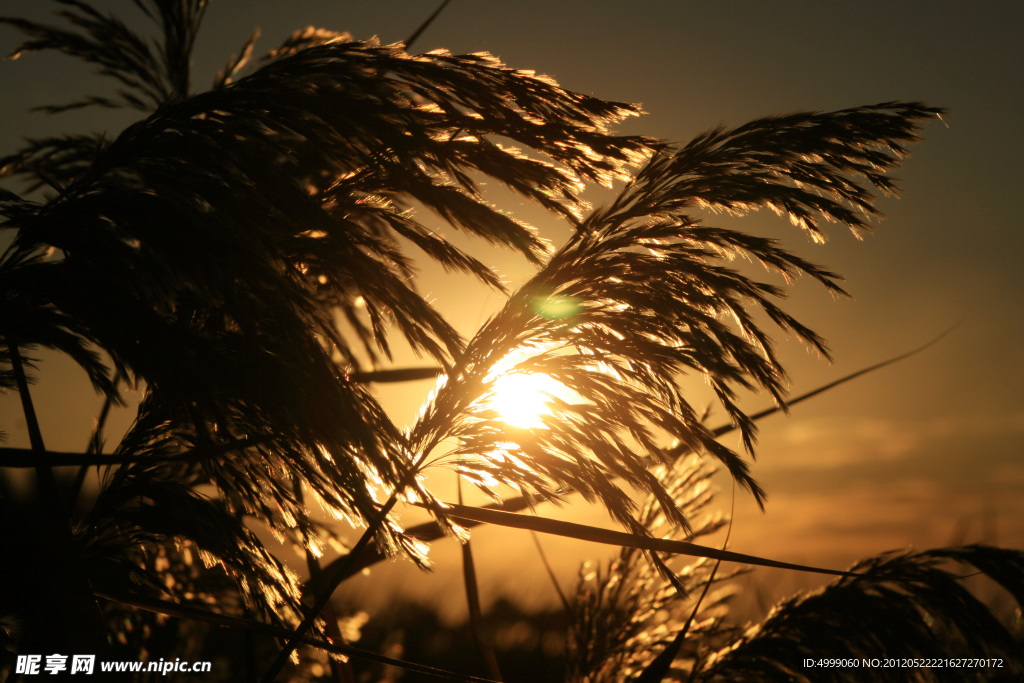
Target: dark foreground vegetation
[206, 254]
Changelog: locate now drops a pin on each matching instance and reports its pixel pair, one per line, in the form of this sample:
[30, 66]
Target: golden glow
[521, 398]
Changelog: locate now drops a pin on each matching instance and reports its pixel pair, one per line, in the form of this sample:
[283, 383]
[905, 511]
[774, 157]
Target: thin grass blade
[423, 27]
[396, 375]
[621, 539]
[659, 668]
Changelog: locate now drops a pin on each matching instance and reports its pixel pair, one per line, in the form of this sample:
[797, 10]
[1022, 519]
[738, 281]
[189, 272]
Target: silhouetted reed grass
[204, 253]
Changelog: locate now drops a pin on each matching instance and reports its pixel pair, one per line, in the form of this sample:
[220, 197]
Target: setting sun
[521, 398]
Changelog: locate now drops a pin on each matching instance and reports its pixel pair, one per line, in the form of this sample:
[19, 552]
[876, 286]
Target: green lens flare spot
[556, 307]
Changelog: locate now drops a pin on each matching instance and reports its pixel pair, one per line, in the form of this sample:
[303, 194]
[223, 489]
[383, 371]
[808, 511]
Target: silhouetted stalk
[21, 457]
[82, 624]
[44, 475]
[428, 531]
[341, 672]
[249, 651]
[394, 375]
[551, 573]
[342, 569]
[93, 448]
[669, 575]
[659, 668]
[473, 601]
[340, 574]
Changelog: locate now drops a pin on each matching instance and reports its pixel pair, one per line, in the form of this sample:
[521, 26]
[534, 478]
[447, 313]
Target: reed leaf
[625, 540]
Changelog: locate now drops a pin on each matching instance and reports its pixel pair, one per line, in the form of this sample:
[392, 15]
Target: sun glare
[521, 398]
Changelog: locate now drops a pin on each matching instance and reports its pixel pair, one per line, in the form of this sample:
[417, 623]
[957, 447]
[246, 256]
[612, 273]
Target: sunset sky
[924, 453]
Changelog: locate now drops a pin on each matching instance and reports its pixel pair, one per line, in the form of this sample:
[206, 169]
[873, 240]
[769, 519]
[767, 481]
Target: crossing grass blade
[395, 375]
[659, 668]
[617, 538]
